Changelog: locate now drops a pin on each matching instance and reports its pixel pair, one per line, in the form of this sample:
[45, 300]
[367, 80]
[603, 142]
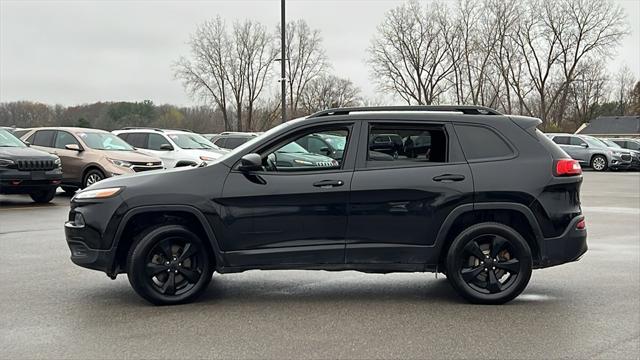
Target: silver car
[592, 152]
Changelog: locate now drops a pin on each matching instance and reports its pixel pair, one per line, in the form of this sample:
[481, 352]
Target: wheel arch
[514, 215]
[142, 217]
[89, 167]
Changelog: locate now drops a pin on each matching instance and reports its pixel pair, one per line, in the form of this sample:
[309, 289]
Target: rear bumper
[568, 247]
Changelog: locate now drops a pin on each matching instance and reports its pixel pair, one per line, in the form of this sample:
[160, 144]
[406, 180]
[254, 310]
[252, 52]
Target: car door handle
[328, 183]
[449, 178]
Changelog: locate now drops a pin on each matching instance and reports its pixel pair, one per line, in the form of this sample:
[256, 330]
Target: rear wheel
[489, 263]
[599, 163]
[43, 196]
[169, 265]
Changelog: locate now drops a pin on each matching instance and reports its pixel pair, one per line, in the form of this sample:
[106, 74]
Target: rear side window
[138, 140]
[44, 138]
[561, 140]
[632, 145]
[406, 144]
[234, 142]
[481, 143]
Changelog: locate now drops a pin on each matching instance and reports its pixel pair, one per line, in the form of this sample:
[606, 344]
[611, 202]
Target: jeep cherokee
[492, 199]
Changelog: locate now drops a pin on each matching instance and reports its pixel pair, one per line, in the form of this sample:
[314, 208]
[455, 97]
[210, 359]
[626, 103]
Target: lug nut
[179, 264]
[166, 263]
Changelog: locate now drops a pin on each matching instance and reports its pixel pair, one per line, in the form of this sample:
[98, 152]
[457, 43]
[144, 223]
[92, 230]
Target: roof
[612, 125]
[152, 130]
[67, 128]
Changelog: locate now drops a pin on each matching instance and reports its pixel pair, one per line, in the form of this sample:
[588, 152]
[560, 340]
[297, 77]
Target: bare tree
[305, 60]
[623, 83]
[412, 55]
[329, 91]
[204, 76]
[260, 54]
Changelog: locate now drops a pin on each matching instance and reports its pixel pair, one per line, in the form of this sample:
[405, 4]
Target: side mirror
[27, 143]
[75, 147]
[325, 150]
[250, 162]
[166, 147]
[584, 145]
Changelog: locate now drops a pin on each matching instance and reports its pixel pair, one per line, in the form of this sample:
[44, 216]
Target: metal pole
[283, 77]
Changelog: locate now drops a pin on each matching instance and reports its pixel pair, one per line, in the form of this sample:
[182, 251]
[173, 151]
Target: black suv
[27, 171]
[494, 199]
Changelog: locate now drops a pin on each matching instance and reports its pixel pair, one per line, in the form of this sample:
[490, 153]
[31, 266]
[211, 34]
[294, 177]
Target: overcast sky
[74, 52]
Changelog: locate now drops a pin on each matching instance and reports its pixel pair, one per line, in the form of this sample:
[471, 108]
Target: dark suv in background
[493, 199]
[24, 170]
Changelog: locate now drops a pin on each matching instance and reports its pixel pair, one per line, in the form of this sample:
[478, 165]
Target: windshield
[191, 141]
[611, 143]
[8, 140]
[593, 141]
[258, 138]
[292, 147]
[337, 142]
[104, 141]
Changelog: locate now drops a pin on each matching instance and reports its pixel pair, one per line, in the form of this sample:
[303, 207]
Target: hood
[130, 156]
[212, 153]
[619, 150]
[24, 153]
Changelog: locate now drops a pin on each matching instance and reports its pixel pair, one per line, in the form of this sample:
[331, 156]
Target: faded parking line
[610, 209]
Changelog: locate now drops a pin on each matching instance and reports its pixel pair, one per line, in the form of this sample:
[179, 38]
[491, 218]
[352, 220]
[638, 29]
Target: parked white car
[175, 147]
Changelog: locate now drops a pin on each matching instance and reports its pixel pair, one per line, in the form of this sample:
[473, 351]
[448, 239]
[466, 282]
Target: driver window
[318, 150]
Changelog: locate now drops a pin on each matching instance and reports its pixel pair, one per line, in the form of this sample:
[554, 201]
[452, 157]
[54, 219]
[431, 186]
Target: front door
[294, 210]
[398, 204]
[72, 162]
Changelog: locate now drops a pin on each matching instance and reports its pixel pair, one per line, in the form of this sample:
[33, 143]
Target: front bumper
[14, 181]
[90, 231]
[568, 247]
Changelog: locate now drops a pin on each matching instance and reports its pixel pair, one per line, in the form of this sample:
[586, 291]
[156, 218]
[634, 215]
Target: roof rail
[140, 128]
[465, 109]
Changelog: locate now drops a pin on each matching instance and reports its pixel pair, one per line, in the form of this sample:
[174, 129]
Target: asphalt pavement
[51, 308]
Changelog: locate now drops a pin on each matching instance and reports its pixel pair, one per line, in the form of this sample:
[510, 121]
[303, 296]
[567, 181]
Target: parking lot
[590, 308]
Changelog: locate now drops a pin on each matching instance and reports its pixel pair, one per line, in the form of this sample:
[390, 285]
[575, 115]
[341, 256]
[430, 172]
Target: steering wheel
[271, 163]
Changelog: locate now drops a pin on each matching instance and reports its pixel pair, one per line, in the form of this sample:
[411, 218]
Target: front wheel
[599, 163]
[92, 177]
[489, 263]
[169, 265]
[43, 196]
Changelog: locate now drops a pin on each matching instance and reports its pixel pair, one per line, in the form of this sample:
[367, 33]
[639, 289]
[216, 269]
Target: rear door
[398, 204]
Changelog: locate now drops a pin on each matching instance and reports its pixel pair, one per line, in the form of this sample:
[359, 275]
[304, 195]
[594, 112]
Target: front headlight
[119, 162]
[6, 162]
[207, 158]
[57, 162]
[302, 162]
[98, 193]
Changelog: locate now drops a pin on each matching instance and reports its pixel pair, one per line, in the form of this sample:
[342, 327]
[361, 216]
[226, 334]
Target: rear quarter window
[482, 143]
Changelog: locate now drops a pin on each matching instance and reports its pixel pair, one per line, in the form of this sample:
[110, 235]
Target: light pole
[283, 75]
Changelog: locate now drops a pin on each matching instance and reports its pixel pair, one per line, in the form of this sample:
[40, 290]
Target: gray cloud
[72, 52]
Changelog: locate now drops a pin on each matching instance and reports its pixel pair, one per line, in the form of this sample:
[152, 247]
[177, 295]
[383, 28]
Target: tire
[43, 196]
[395, 155]
[486, 281]
[157, 270]
[69, 190]
[91, 177]
[599, 163]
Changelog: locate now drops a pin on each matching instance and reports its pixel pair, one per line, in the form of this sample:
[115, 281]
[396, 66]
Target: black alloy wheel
[489, 263]
[169, 265]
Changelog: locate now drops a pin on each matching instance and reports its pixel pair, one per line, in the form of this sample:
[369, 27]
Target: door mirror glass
[250, 162]
[72, 147]
[166, 147]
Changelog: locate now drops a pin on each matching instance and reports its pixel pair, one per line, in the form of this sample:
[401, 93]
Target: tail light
[568, 167]
[581, 225]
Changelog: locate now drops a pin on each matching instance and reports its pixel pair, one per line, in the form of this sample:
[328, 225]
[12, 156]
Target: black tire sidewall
[43, 196]
[454, 257]
[137, 261]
